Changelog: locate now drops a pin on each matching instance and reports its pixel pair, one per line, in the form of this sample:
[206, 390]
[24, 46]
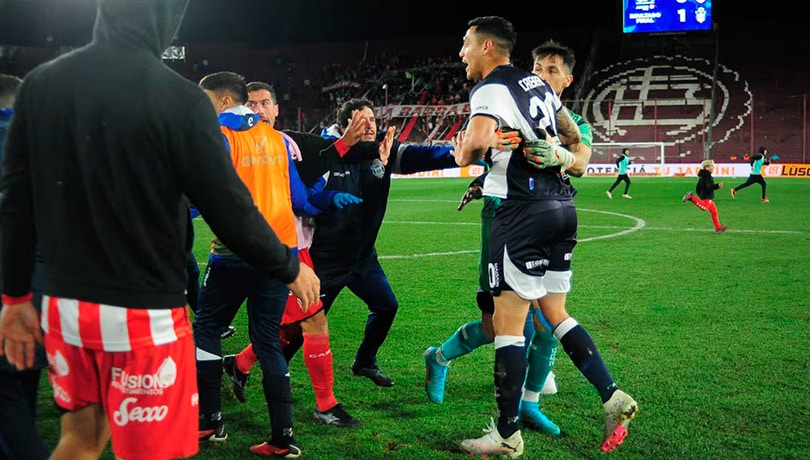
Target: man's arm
[567, 129]
[475, 140]
[207, 176]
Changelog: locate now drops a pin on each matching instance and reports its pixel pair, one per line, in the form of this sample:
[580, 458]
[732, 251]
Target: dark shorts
[526, 238]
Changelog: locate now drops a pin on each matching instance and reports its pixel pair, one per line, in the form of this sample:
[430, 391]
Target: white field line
[638, 224]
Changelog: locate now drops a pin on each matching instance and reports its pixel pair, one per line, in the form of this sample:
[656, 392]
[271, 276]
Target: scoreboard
[661, 16]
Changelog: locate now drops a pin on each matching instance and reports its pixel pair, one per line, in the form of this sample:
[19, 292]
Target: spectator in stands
[757, 161]
[19, 437]
[622, 163]
[705, 194]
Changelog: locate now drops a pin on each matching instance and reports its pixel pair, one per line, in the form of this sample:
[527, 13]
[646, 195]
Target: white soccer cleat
[493, 444]
[619, 410]
[550, 387]
[609, 195]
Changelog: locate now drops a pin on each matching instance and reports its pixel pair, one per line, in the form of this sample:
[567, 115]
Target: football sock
[510, 371]
[579, 346]
[245, 359]
[541, 354]
[466, 339]
[318, 359]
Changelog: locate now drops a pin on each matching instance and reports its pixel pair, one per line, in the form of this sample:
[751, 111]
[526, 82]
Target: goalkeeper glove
[541, 155]
[474, 192]
[505, 139]
[342, 199]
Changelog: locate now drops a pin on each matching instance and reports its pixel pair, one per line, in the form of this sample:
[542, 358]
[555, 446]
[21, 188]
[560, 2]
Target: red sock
[246, 359]
[318, 359]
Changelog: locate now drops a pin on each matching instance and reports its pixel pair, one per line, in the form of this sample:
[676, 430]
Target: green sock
[542, 350]
[466, 339]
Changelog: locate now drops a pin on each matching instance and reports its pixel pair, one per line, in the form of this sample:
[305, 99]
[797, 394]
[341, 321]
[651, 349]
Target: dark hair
[762, 150]
[8, 89]
[497, 28]
[230, 83]
[347, 108]
[260, 85]
[554, 48]
[625, 151]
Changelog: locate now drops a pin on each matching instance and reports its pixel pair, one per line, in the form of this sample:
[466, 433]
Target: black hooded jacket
[105, 146]
[705, 185]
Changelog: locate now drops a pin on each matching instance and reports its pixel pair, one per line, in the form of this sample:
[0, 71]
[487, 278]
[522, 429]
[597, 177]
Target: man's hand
[541, 155]
[474, 192]
[354, 131]
[342, 199]
[306, 286]
[506, 139]
[19, 333]
[384, 149]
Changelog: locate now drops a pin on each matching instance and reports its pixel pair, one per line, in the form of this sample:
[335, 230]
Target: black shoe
[336, 416]
[212, 428]
[238, 378]
[374, 374]
[227, 332]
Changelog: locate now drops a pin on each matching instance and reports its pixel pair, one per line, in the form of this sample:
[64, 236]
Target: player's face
[470, 54]
[261, 103]
[553, 71]
[370, 124]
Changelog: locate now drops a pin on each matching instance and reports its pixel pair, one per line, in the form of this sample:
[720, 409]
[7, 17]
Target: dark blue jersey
[519, 100]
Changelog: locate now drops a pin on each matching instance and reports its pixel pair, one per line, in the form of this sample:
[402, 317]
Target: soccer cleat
[550, 385]
[619, 410]
[269, 450]
[733, 193]
[212, 428]
[532, 417]
[721, 229]
[336, 416]
[238, 378]
[687, 197]
[609, 195]
[435, 376]
[374, 374]
[493, 444]
[627, 196]
[765, 200]
[227, 333]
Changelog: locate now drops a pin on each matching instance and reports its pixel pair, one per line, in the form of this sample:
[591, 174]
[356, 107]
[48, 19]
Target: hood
[239, 118]
[143, 24]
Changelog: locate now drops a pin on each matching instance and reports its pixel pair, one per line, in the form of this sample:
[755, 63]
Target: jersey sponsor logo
[669, 93]
[127, 413]
[58, 363]
[145, 384]
[265, 159]
[536, 263]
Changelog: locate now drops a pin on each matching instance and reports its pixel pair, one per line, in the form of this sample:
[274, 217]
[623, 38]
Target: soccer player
[757, 162]
[310, 325]
[19, 437]
[536, 214]
[260, 156]
[705, 194]
[110, 216]
[622, 163]
[553, 63]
